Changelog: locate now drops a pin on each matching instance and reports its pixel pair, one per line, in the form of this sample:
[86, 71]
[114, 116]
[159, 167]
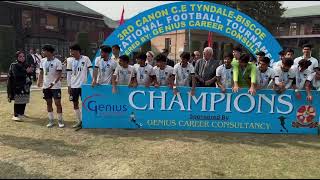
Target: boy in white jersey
[224, 73]
[284, 76]
[77, 72]
[123, 73]
[302, 73]
[50, 74]
[142, 73]
[116, 53]
[183, 73]
[260, 56]
[288, 53]
[313, 83]
[265, 74]
[281, 57]
[163, 72]
[306, 50]
[104, 67]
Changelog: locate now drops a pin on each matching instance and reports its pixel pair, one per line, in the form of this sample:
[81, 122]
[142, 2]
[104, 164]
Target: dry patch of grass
[30, 150]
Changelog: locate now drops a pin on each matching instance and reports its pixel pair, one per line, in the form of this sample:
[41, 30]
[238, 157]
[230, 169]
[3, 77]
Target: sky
[113, 9]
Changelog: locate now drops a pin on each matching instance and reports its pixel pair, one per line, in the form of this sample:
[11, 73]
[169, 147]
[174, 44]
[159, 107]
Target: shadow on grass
[269, 140]
[48, 146]
[11, 171]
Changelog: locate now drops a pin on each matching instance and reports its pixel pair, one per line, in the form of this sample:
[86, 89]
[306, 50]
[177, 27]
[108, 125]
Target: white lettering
[131, 96]
[236, 103]
[162, 97]
[288, 103]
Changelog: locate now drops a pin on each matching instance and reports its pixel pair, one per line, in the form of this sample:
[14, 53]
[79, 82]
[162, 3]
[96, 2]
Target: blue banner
[194, 15]
[208, 110]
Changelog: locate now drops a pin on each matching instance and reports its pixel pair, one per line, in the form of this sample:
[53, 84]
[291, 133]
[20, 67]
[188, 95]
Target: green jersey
[246, 76]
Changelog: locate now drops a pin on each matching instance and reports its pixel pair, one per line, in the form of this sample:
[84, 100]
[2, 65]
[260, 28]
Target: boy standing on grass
[50, 74]
[123, 74]
[77, 72]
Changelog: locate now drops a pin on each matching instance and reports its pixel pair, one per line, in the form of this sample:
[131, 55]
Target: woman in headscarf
[18, 85]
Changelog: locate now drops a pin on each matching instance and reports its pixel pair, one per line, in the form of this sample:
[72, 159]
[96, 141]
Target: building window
[43, 21]
[167, 44]
[293, 29]
[5, 15]
[75, 25]
[281, 31]
[302, 29]
[100, 24]
[68, 25]
[93, 25]
[26, 19]
[52, 22]
[316, 29]
[82, 25]
[93, 45]
[61, 23]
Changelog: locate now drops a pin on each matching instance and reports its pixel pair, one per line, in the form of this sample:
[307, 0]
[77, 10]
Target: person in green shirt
[244, 74]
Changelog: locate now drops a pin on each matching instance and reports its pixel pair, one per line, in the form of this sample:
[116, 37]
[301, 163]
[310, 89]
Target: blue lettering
[101, 107]
[125, 108]
[92, 109]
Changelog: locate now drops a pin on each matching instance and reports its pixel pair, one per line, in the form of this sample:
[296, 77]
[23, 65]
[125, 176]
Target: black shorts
[75, 94]
[51, 93]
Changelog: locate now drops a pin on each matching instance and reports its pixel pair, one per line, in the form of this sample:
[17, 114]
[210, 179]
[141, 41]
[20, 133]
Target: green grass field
[30, 150]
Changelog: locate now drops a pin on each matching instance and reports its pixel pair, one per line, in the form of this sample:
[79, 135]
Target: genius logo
[90, 104]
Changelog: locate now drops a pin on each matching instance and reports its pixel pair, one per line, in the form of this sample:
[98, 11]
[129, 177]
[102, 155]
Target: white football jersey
[50, 72]
[301, 78]
[106, 70]
[142, 74]
[183, 75]
[284, 76]
[314, 62]
[264, 78]
[79, 70]
[315, 83]
[163, 75]
[277, 64]
[115, 59]
[123, 75]
[226, 77]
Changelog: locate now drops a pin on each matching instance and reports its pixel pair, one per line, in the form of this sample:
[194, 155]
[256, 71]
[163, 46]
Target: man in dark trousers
[205, 70]
[169, 61]
[32, 61]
